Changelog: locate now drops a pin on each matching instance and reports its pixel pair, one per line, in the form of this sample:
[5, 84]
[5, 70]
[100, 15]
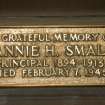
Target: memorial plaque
[52, 56]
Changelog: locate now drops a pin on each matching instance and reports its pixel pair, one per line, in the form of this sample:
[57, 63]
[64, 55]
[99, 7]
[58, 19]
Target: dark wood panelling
[50, 7]
[53, 96]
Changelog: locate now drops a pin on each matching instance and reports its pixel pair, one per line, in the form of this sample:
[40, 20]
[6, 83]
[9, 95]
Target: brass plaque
[52, 56]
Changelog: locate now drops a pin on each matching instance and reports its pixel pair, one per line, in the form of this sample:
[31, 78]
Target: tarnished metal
[52, 56]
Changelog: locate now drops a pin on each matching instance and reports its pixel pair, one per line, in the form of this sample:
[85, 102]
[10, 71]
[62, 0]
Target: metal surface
[52, 56]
